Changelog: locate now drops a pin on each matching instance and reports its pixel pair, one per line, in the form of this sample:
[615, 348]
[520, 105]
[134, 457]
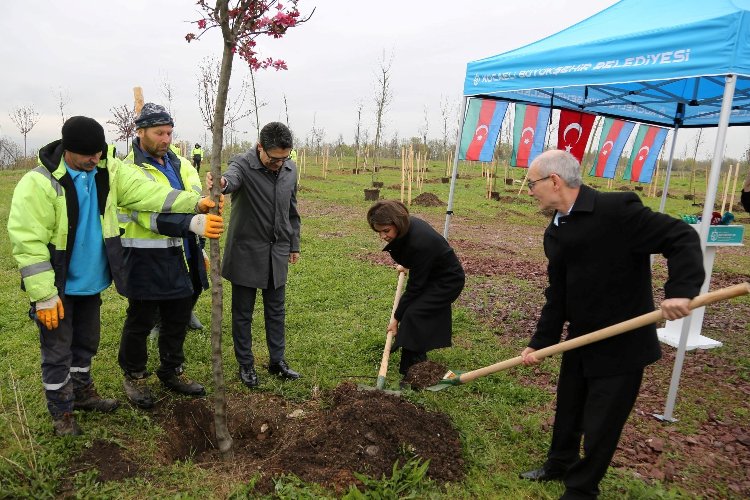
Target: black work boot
[248, 376]
[66, 425]
[137, 390]
[282, 370]
[178, 382]
[87, 399]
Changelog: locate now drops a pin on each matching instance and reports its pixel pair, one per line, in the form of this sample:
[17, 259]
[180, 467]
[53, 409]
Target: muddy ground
[327, 440]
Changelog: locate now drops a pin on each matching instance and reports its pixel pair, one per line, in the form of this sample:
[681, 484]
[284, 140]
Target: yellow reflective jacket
[153, 242]
[44, 217]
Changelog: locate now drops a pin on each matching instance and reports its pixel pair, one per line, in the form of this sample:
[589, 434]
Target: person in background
[745, 196]
[197, 156]
[165, 265]
[598, 246]
[262, 240]
[66, 240]
[423, 320]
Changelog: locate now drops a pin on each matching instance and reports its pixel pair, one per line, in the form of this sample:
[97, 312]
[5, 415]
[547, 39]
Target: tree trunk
[217, 303]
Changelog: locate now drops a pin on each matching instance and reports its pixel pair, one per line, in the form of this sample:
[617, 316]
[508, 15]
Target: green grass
[337, 309]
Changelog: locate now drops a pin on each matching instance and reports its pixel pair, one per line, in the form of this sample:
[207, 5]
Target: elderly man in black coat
[598, 246]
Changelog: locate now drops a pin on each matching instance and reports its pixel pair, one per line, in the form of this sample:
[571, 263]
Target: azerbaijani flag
[481, 128]
[648, 144]
[573, 132]
[615, 134]
[529, 129]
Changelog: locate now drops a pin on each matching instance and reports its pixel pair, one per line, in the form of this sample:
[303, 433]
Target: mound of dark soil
[324, 441]
[428, 200]
[424, 374]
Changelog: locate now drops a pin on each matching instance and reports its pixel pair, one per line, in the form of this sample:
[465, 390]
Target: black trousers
[141, 315]
[274, 314]
[197, 163]
[595, 409]
[410, 358]
[68, 349]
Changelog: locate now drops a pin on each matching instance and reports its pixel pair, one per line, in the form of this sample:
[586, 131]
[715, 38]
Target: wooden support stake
[734, 186]
[138, 99]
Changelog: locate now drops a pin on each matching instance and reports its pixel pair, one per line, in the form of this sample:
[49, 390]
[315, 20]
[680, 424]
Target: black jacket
[600, 274]
[436, 279]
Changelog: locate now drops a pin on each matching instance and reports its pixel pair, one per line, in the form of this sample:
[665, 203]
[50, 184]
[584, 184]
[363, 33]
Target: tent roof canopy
[654, 62]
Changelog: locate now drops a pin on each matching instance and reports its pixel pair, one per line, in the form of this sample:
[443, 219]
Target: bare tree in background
[24, 118]
[209, 71]
[357, 137]
[286, 111]
[445, 116]
[316, 138]
[167, 90]
[383, 97]
[10, 153]
[424, 129]
[63, 99]
[123, 120]
[257, 105]
[698, 143]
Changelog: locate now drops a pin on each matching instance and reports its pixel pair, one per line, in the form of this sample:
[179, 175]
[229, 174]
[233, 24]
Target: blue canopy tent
[673, 63]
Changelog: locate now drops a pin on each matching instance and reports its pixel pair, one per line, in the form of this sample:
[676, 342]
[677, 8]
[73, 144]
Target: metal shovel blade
[451, 378]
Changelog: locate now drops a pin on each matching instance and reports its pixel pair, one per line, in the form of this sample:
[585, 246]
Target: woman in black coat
[422, 321]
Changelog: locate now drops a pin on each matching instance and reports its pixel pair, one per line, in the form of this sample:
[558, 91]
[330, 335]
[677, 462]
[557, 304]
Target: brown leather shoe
[137, 391]
[88, 399]
[66, 425]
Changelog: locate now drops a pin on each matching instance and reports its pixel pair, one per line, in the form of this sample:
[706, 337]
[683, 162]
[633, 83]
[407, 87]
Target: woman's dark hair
[389, 212]
[275, 135]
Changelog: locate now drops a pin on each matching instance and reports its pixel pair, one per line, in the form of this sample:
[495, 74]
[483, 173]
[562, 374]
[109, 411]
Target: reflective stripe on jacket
[44, 217]
[152, 242]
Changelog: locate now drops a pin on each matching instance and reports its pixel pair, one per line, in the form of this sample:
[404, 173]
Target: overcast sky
[95, 52]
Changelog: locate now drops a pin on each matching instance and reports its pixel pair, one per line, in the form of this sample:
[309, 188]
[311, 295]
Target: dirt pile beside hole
[428, 200]
[324, 442]
[366, 432]
[107, 458]
[425, 374]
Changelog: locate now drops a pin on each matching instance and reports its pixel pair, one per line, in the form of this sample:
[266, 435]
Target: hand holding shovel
[458, 378]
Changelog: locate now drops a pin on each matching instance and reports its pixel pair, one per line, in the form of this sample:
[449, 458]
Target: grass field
[338, 304]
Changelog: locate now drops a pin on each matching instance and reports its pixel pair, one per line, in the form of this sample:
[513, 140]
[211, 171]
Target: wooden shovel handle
[389, 336]
[610, 331]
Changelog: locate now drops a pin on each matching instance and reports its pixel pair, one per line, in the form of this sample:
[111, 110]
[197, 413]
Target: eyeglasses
[531, 184]
[271, 159]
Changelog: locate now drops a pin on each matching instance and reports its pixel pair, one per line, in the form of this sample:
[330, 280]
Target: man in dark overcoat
[262, 240]
[599, 246]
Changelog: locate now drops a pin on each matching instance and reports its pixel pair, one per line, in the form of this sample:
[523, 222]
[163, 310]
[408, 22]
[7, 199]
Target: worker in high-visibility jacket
[197, 156]
[65, 237]
[165, 263]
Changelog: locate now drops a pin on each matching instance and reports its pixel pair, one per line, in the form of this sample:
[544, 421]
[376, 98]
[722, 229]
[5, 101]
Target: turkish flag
[573, 132]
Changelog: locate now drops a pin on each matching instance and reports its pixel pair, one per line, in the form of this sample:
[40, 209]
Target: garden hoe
[458, 378]
[380, 384]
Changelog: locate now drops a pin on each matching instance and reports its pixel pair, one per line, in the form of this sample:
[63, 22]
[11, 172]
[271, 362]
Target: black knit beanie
[153, 115]
[83, 135]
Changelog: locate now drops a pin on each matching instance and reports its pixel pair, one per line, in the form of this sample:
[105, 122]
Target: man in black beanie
[165, 262]
[65, 238]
